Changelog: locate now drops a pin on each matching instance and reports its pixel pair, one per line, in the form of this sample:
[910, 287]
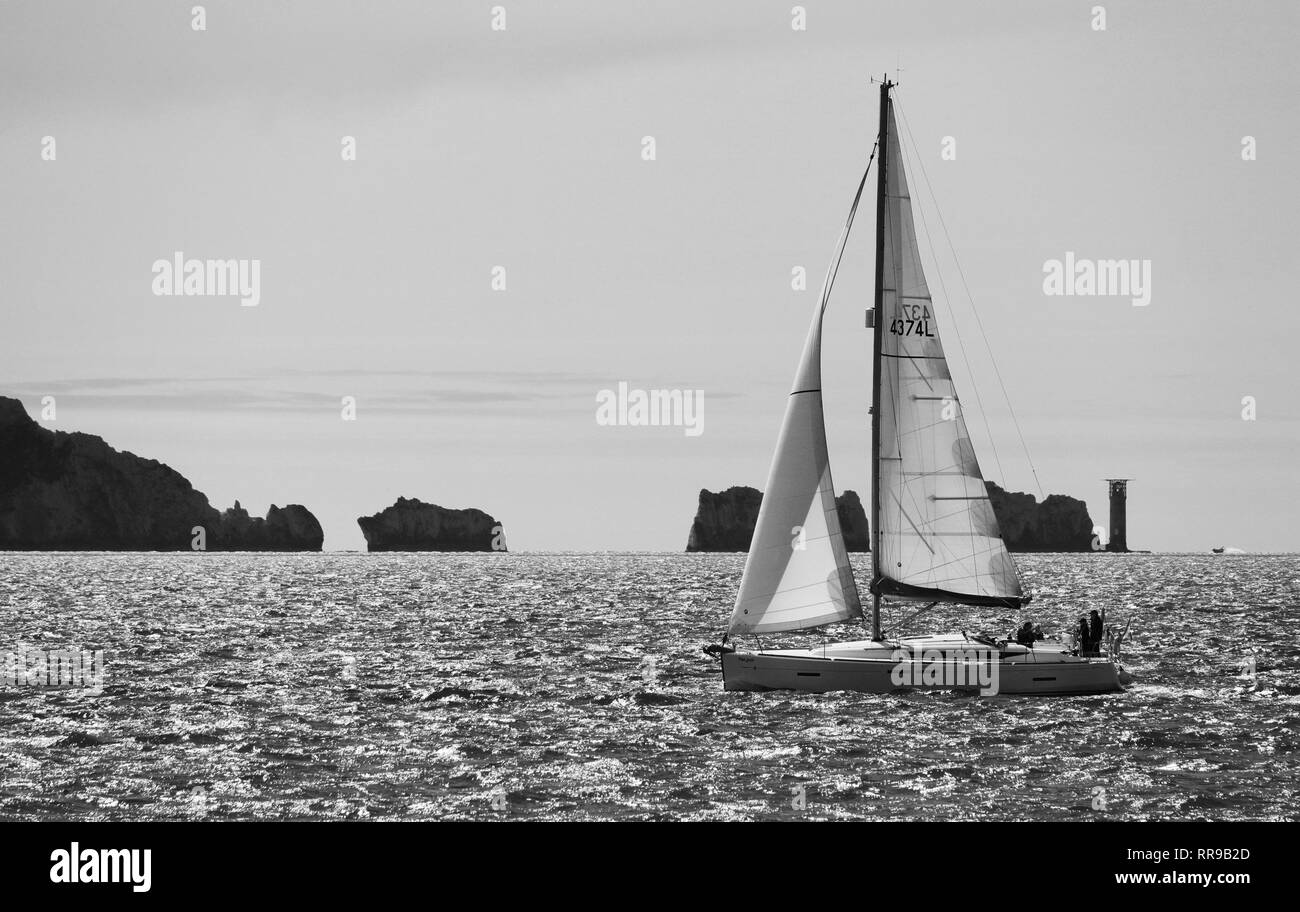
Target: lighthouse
[1118, 519]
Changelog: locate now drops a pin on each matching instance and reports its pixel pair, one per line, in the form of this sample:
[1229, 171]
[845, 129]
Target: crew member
[1026, 635]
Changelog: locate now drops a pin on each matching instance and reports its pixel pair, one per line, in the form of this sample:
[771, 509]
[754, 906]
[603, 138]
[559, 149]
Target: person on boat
[1027, 633]
[1083, 634]
[1117, 642]
[1095, 628]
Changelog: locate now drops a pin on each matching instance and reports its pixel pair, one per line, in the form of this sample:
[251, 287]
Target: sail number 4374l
[914, 322]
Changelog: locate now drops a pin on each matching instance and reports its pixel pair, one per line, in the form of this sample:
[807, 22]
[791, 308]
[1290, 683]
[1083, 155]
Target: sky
[524, 149]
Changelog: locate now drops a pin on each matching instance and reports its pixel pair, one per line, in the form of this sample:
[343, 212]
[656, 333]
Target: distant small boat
[1216, 550]
[935, 537]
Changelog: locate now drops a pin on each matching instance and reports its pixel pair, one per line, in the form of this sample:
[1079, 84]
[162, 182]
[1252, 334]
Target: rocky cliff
[411, 525]
[70, 492]
[238, 531]
[725, 521]
[1059, 523]
[853, 522]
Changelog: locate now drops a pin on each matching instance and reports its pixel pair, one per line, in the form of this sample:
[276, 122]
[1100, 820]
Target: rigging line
[907, 621]
[834, 269]
[978, 322]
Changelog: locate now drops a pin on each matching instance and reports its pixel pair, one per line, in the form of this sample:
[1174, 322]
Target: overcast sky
[522, 148]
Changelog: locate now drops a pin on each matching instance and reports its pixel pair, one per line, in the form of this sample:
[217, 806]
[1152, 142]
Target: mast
[878, 329]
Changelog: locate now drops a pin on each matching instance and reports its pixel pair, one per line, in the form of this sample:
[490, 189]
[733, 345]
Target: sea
[535, 686]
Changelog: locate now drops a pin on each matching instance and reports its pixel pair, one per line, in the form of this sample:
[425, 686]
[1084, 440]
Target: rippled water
[563, 686]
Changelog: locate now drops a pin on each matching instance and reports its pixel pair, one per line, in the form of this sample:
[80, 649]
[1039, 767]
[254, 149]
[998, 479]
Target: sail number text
[915, 321]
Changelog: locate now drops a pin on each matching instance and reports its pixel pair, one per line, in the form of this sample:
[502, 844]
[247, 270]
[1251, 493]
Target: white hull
[1047, 668]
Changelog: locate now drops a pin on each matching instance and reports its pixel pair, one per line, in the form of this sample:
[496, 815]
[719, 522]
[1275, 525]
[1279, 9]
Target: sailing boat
[935, 537]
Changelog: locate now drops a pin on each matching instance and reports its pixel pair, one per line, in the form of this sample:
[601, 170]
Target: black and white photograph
[439, 428]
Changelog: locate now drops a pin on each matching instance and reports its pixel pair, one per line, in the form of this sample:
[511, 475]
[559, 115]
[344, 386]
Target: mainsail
[798, 574]
[936, 536]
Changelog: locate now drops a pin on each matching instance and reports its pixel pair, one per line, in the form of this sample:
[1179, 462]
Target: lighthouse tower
[1118, 516]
